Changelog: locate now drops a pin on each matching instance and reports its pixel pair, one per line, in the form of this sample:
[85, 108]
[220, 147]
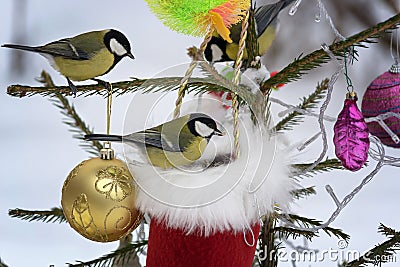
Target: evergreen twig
[301, 65]
[78, 126]
[381, 253]
[119, 255]
[309, 222]
[303, 192]
[386, 231]
[287, 232]
[291, 72]
[119, 88]
[47, 216]
[294, 118]
[252, 47]
[324, 166]
[267, 242]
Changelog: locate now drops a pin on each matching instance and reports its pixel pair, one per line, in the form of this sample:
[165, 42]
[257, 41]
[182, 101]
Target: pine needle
[302, 65]
[308, 223]
[73, 120]
[119, 88]
[120, 255]
[303, 192]
[324, 166]
[381, 253]
[310, 102]
[48, 216]
[386, 231]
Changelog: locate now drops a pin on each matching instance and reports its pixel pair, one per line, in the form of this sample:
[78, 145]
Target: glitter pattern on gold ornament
[98, 199]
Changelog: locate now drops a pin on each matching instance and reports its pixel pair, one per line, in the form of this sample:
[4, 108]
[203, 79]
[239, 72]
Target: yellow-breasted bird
[85, 56]
[266, 20]
[175, 143]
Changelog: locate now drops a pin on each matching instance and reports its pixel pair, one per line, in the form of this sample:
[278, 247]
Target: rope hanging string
[108, 116]
[236, 80]
[188, 74]
[106, 153]
[109, 105]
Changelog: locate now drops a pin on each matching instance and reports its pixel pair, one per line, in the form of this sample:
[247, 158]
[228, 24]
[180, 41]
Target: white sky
[39, 152]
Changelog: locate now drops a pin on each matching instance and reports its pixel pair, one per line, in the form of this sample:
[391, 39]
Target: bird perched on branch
[266, 21]
[175, 143]
[85, 56]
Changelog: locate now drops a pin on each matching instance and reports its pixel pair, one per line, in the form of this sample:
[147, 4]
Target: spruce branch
[302, 65]
[291, 72]
[386, 231]
[119, 255]
[47, 216]
[381, 253]
[119, 88]
[307, 223]
[294, 118]
[77, 126]
[287, 232]
[73, 120]
[268, 243]
[324, 166]
[303, 192]
[252, 47]
[83, 90]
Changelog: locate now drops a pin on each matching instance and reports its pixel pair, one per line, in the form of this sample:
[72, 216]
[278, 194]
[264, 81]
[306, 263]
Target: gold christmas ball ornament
[98, 199]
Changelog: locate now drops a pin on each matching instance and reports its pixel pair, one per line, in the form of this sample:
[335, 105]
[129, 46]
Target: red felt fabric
[169, 247]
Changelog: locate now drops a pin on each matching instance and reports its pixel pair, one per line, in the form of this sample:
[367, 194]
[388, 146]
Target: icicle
[293, 9]
[308, 142]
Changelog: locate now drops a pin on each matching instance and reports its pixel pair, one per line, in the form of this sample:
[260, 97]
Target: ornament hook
[350, 87]
[395, 68]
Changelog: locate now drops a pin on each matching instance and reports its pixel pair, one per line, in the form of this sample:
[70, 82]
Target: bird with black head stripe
[175, 143]
[85, 56]
[266, 22]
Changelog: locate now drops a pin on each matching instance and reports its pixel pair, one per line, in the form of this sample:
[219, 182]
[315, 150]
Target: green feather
[184, 16]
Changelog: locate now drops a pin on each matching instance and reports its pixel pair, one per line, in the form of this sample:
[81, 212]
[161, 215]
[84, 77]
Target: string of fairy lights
[377, 153]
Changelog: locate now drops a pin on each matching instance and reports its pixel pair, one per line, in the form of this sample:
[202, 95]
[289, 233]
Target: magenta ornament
[351, 135]
[383, 95]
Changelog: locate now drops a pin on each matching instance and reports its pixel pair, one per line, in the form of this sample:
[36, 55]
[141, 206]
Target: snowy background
[39, 152]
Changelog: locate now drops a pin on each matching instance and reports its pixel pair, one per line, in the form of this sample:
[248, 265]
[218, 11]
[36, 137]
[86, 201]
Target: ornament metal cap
[107, 153]
[395, 68]
[352, 95]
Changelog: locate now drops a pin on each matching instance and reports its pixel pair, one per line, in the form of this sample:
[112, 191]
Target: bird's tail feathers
[287, 2]
[266, 15]
[21, 47]
[103, 137]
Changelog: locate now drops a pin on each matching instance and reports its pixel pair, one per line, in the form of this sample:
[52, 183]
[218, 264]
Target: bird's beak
[130, 55]
[219, 133]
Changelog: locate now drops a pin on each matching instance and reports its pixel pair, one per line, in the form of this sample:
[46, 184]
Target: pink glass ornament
[383, 95]
[351, 135]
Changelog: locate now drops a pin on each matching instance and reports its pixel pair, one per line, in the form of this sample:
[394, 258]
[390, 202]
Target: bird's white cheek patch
[216, 52]
[202, 129]
[117, 48]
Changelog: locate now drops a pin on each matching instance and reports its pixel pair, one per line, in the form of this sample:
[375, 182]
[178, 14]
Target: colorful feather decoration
[195, 17]
[351, 135]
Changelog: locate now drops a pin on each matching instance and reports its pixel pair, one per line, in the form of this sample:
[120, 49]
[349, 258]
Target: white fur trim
[219, 198]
